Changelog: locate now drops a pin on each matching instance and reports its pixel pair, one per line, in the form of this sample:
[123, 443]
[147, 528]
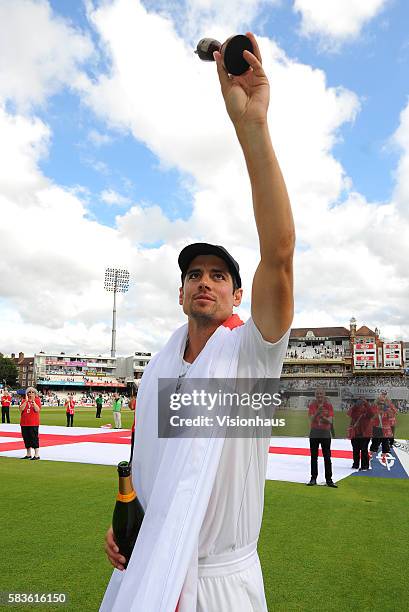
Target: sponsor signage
[372, 392]
[94, 373]
[65, 363]
[60, 382]
[79, 384]
[104, 384]
[102, 364]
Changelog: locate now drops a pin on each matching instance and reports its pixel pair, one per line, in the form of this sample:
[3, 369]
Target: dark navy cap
[203, 248]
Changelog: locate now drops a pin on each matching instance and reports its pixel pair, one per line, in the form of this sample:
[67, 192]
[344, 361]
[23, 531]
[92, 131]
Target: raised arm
[247, 99]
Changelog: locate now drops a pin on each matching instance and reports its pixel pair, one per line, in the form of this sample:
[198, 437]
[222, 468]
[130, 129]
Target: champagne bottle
[128, 513]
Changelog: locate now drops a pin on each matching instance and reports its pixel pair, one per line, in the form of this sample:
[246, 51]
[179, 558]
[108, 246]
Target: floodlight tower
[116, 280]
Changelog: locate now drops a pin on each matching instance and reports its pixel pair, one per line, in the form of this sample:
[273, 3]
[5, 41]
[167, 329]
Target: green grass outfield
[297, 423]
[83, 417]
[320, 548]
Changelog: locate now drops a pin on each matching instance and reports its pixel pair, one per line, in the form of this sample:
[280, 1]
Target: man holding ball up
[203, 498]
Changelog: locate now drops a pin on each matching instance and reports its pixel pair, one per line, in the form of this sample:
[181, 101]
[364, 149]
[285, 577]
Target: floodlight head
[116, 279]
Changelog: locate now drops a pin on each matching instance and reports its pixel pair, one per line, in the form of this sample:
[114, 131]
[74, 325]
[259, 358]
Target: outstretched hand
[246, 96]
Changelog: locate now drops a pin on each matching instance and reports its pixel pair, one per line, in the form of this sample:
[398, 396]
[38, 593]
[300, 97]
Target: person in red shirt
[321, 414]
[30, 421]
[5, 407]
[69, 410]
[392, 412]
[382, 427]
[360, 432]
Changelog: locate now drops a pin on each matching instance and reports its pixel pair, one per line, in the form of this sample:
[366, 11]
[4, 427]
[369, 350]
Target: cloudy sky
[116, 150]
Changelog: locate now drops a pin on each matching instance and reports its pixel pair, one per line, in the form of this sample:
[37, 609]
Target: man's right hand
[112, 551]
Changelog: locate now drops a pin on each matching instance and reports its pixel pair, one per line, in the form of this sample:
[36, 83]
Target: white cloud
[111, 197]
[188, 129]
[99, 139]
[196, 19]
[401, 140]
[23, 142]
[149, 225]
[53, 256]
[350, 242]
[39, 52]
[52, 262]
[96, 164]
[150, 98]
[337, 20]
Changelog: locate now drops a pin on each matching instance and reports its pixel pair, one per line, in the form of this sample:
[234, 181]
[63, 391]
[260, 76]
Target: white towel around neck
[173, 479]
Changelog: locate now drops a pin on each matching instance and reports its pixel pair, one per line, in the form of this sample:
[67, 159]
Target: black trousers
[98, 415]
[70, 419]
[5, 414]
[30, 436]
[360, 452]
[377, 442]
[326, 451]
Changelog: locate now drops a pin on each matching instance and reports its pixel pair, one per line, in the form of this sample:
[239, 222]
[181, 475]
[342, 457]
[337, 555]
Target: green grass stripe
[320, 548]
[297, 422]
[336, 549]
[83, 417]
[56, 516]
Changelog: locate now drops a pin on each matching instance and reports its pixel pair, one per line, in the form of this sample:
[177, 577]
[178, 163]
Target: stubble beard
[203, 319]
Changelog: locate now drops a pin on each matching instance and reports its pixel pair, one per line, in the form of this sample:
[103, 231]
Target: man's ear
[181, 296]
[238, 295]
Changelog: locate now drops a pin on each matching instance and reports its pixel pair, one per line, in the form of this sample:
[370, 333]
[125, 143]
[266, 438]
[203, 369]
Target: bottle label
[126, 497]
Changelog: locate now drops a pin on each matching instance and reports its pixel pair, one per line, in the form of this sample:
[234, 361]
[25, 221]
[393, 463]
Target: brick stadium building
[345, 362]
[25, 367]
[405, 346]
[338, 352]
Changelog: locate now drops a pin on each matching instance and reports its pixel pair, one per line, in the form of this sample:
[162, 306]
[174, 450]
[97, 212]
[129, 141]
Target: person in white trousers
[196, 551]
